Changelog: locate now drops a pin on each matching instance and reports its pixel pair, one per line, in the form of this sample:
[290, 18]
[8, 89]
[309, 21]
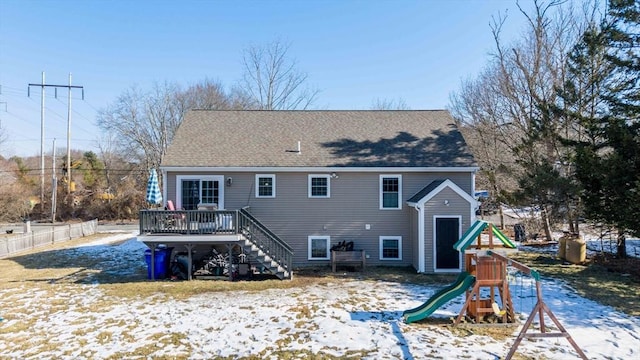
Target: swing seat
[496, 309]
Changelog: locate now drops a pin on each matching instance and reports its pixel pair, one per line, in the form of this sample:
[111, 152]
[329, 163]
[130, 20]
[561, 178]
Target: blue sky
[353, 51]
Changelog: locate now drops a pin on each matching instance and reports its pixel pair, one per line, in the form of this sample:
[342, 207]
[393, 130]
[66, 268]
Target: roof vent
[298, 151]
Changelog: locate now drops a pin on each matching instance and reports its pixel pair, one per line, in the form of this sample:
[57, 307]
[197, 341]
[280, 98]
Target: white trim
[316, 176]
[380, 197]
[381, 238]
[435, 253]
[313, 237]
[475, 206]
[450, 184]
[422, 266]
[219, 178]
[258, 169]
[273, 185]
[165, 187]
[420, 205]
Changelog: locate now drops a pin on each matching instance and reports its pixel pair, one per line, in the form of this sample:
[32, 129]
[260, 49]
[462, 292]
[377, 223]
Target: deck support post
[153, 261]
[189, 248]
[230, 247]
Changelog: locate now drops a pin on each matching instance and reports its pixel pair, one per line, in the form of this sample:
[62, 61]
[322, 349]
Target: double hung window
[319, 186]
[390, 192]
[390, 248]
[265, 186]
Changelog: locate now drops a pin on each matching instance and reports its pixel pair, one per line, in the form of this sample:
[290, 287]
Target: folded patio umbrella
[154, 195]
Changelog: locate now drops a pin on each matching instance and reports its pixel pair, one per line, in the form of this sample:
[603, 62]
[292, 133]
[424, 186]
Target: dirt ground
[629, 266]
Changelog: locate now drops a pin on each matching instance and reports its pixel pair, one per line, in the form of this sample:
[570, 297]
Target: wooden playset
[490, 273]
[488, 263]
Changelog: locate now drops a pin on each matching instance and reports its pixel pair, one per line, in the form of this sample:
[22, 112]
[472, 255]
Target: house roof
[328, 138]
[431, 190]
[425, 191]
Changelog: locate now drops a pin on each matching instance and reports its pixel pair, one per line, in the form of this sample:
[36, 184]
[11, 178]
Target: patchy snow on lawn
[593, 245]
[350, 318]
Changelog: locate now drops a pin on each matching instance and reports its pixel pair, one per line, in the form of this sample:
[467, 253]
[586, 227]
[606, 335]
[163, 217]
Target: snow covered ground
[350, 318]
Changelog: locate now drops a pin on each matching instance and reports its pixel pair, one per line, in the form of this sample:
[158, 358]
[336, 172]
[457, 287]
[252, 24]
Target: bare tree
[386, 104]
[144, 123]
[209, 95]
[109, 157]
[508, 108]
[271, 80]
[14, 192]
[3, 131]
[478, 110]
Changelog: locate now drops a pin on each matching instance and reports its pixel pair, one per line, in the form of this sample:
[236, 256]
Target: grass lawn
[609, 282]
[49, 271]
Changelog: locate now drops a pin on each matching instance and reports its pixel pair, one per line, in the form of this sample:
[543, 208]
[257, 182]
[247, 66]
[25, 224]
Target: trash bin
[562, 247]
[180, 266]
[519, 233]
[576, 251]
[162, 260]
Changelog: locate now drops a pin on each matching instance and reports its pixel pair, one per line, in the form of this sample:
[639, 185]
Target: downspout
[473, 206]
[164, 186]
[421, 260]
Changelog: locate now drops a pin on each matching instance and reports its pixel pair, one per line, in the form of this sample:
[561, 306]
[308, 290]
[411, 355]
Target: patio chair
[173, 220]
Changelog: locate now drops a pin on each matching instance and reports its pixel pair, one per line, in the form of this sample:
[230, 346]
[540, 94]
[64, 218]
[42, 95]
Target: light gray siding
[457, 206]
[354, 203]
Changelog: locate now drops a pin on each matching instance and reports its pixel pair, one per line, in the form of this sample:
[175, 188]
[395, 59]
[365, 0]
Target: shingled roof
[328, 138]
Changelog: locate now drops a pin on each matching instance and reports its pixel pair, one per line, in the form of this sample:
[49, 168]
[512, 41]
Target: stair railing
[263, 238]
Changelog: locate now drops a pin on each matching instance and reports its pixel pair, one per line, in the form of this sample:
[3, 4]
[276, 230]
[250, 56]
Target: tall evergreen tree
[602, 99]
[622, 129]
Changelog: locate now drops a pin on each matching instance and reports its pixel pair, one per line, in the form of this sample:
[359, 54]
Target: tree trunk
[545, 223]
[622, 245]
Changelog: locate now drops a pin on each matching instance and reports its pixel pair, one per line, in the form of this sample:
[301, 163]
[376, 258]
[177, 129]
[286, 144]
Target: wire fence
[45, 236]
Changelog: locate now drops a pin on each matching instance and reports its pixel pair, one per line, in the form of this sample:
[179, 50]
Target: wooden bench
[348, 257]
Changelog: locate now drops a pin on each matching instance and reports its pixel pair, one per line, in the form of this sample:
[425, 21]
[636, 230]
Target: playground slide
[464, 281]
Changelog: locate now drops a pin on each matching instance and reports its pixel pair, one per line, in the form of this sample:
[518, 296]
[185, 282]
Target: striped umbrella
[154, 196]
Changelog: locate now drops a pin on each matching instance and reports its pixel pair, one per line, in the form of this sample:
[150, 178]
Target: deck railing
[219, 222]
[188, 222]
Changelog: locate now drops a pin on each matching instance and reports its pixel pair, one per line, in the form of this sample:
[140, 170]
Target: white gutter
[314, 169]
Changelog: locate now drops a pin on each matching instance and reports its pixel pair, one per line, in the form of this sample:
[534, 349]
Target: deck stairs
[264, 247]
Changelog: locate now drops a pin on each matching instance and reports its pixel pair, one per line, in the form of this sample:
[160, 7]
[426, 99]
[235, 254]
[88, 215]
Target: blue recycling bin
[162, 260]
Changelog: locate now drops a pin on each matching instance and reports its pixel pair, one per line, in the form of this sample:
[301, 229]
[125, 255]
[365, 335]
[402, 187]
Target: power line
[18, 93]
[55, 87]
[112, 171]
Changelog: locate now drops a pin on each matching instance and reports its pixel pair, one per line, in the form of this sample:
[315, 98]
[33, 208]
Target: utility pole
[42, 86]
[54, 184]
[68, 139]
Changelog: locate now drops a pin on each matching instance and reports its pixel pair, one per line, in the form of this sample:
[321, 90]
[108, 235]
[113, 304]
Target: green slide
[464, 281]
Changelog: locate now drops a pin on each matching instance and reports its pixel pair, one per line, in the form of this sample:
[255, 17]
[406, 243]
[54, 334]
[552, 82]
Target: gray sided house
[399, 184]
